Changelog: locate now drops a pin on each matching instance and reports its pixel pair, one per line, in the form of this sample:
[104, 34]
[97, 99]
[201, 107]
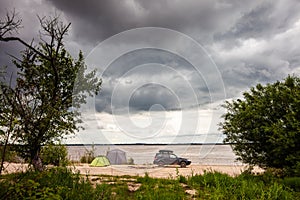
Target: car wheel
[161, 163]
[182, 164]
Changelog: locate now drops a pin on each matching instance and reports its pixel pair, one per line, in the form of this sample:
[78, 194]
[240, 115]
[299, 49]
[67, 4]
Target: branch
[10, 24]
[7, 39]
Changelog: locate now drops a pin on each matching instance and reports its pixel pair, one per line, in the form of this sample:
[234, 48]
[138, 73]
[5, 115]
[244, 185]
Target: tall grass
[153, 188]
[62, 183]
[214, 185]
[56, 183]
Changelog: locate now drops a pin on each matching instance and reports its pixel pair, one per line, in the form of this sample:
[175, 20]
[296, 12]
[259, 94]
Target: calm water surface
[144, 154]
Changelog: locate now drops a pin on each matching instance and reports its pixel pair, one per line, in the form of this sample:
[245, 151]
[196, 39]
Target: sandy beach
[140, 170]
[204, 158]
[161, 172]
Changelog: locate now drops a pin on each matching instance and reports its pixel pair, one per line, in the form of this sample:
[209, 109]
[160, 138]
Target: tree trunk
[3, 156]
[37, 162]
[6, 142]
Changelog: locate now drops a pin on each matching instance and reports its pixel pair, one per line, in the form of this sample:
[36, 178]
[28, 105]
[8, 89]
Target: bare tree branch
[10, 24]
[7, 39]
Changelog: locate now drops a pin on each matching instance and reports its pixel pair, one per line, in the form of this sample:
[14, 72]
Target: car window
[173, 156]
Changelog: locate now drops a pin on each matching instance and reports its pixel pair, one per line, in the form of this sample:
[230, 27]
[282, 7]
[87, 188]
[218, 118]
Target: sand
[140, 170]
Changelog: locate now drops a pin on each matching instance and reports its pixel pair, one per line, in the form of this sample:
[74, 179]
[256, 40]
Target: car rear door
[172, 159]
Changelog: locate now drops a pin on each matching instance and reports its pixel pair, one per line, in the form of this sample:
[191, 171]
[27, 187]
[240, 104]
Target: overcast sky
[192, 53]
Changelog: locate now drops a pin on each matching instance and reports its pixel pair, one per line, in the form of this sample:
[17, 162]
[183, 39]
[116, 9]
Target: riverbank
[140, 170]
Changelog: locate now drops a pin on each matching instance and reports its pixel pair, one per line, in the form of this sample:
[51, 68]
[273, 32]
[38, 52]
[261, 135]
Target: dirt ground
[140, 170]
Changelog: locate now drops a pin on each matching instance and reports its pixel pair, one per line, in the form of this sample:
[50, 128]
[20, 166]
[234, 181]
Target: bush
[55, 183]
[30, 189]
[89, 156]
[10, 155]
[55, 155]
[263, 126]
[130, 161]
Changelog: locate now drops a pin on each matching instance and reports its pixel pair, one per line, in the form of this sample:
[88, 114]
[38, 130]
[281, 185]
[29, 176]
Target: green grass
[214, 185]
[61, 183]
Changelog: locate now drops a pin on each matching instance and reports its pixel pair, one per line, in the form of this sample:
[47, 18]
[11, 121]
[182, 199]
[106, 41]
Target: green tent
[100, 161]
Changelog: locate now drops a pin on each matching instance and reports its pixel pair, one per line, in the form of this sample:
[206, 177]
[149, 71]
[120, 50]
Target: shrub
[263, 126]
[89, 156]
[55, 155]
[10, 155]
[30, 189]
[130, 161]
[55, 183]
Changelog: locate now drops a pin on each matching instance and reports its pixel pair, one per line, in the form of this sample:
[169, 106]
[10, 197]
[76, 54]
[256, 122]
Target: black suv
[167, 157]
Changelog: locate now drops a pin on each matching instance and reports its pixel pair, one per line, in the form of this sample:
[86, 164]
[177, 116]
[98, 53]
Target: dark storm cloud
[250, 41]
[27, 12]
[148, 95]
[96, 20]
[145, 77]
[138, 57]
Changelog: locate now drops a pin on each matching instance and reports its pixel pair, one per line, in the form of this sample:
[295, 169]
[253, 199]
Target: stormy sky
[168, 55]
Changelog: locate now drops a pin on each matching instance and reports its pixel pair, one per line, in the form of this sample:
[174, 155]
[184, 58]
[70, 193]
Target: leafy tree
[264, 127]
[46, 94]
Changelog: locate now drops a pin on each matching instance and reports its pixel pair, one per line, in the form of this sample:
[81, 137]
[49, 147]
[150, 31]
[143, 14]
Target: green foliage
[61, 183]
[153, 188]
[264, 126]
[214, 185]
[292, 182]
[10, 155]
[130, 161]
[55, 155]
[57, 183]
[29, 189]
[88, 156]
[182, 179]
[104, 191]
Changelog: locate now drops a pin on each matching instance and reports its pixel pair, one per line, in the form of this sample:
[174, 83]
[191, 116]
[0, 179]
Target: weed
[292, 182]
[62, 183]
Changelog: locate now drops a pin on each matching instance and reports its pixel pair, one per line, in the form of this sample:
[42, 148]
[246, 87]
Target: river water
[208, 154]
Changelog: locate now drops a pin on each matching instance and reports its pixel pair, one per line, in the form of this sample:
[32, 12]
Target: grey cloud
[7, 49]
[148, 95]
[226, 23]
[225, 28]
[145, 77]
[262, 21]
[27, 12]
[138, 57]
[96, 20]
